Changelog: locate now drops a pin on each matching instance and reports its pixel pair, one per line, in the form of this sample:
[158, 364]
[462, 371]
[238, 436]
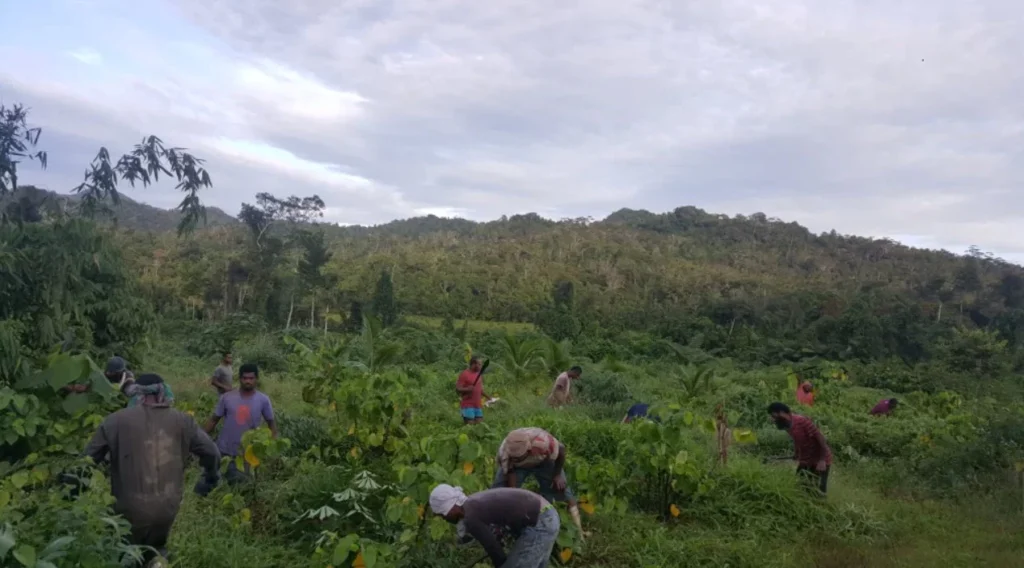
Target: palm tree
[519, 355]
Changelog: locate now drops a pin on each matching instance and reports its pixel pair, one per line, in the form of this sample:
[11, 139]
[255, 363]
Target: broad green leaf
[6, 540]
[57, 545]
[5, 498]
[75, 403]
[744, 436]
[26, 555]
[370, 556]
[344, 548]
[20, 479]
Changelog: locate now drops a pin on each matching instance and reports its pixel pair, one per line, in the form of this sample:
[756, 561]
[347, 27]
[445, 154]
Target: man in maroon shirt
[813, 456]
[471, 388]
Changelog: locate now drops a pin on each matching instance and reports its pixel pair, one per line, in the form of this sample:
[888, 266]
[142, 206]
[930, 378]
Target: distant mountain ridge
[128, 214]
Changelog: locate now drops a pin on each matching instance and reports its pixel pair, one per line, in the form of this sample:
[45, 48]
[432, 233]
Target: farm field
[756, 517]
[359, 333]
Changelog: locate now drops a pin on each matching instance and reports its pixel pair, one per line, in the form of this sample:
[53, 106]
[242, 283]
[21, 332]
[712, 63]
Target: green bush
[266, 350]
[603, 387]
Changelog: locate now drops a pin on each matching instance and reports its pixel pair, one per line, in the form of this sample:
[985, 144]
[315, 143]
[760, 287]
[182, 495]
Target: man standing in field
[471, 387]
[884, 407]
[533, 452]
[222, 375]
[813, 456]
[561, 394]
[532, 520]
[147, 446]
[242, 410]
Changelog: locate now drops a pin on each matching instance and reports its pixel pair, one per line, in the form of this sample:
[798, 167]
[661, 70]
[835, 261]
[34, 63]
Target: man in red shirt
[471, 387]
[813, 456]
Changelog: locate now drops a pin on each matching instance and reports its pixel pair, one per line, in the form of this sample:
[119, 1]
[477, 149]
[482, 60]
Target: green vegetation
[686, 311]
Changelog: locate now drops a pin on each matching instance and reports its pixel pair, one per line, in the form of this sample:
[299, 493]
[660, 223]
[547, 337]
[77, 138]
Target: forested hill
[128, 213]
[752, 287]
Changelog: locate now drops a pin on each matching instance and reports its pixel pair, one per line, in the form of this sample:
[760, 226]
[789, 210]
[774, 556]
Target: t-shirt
[638, 410]
[882, 407]
[808, 451]
[222, 374]
[563, 383]
[804, 398]
[241, 413]
[473, 399]
[515, 509]
[539, 445]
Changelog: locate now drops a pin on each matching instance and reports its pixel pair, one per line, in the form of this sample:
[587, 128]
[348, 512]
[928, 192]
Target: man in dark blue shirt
[638, 410]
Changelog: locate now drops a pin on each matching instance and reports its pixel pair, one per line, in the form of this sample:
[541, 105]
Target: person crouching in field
[885, 407]
[532, 520]
[561, 394]
[147, 446]
[471, 387]
[533, 452]
[813, 456]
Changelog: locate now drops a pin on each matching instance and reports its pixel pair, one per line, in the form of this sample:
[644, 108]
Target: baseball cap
[116, 365]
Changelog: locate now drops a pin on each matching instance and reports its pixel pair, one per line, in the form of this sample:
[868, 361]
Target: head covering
[444, 497]
[116, 365]
[151, 385]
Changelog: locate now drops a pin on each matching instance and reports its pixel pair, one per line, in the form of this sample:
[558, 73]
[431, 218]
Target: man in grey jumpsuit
[147, 447]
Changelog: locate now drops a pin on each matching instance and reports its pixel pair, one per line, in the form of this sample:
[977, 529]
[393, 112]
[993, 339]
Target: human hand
[821, 467]
[559, 482]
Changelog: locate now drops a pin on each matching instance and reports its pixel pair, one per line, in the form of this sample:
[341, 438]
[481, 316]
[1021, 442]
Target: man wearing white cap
[529, 518]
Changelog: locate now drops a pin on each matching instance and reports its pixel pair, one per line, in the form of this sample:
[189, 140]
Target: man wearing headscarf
[533, 452]
[147, 446]
[531, 520]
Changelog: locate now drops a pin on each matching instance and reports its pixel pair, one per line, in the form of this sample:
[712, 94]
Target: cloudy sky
[900, 119]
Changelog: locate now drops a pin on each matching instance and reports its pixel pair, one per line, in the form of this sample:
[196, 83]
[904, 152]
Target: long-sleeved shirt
[515, 509]
[147, 447]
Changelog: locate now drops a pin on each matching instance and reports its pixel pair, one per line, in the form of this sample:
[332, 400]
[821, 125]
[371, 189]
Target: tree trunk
[938, 316]
[326, 311]
[312, 311]
[291, 308]
[227, 298]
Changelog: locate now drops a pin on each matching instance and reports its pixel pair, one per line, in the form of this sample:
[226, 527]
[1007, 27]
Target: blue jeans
[544, 474]
[533, 547]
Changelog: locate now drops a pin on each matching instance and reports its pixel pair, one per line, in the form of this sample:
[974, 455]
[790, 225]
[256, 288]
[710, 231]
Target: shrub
[603, 387]
[265, 350]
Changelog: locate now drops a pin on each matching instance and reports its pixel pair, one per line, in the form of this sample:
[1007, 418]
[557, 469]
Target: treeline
[749, 287]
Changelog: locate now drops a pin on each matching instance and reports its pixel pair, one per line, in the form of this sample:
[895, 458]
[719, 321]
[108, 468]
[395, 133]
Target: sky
[886, 119]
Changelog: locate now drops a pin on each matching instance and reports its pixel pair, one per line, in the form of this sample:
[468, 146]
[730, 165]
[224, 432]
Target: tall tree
[143, 164]
[384, 305]
[314, 257]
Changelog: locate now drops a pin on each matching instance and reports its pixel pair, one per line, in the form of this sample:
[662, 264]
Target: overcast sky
[900, 119]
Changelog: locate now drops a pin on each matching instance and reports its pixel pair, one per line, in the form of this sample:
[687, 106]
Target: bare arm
[510, 479]
[272, 424]
[560, 462]
[211, 424]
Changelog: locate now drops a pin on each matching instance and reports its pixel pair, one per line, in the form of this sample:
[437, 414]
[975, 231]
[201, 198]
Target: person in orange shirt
[805, 394]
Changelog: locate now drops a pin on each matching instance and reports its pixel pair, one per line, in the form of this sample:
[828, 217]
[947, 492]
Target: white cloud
[867, 117]
[87, 56]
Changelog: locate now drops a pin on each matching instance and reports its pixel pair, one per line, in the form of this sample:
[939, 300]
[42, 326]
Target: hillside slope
[128, 214]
